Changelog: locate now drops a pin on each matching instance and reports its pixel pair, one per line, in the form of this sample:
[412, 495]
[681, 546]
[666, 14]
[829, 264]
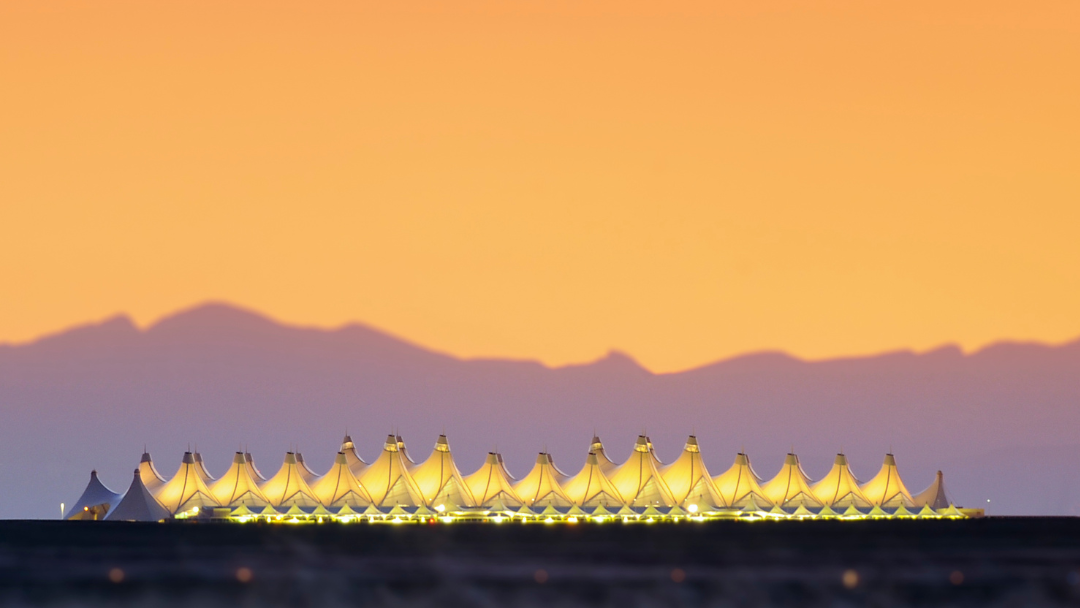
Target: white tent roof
[440, 481]
[639, 481]
[186, 489]
[886, 489]
[739, 484]
[388, 479]
[305, 471]
[254, 470]
[339, 487]
[288, 487]
[95, 495]
[356, 464]
[840, 488]
[597, 447]
[150, 476]
[404, 451]
[491, 485]
[933, 496]
[689, 480]
[138, 504]
[237, 487]
[591, 487]
[652, 452]
[200, 468]
[791, 486]
[542, 487]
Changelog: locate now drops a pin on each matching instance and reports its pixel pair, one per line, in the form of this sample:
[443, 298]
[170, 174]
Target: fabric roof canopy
[186, 490]
[933, 496]
[138, 504]
[237, 487]
[840, 488]
[387, 479]
[739, 484]
[200, 468]
[356, 464]
[886, 489]
[439, 480]
[288, 487]
[639, 481]
[339, 487]
[305, 471]
[542, 487]
[591, 487]
[150, 476]
[96, 495]
[597, 447]
[689, 480]
[791, 486]
[492, 485]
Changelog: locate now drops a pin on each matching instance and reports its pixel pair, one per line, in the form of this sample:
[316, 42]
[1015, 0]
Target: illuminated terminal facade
[395, 489]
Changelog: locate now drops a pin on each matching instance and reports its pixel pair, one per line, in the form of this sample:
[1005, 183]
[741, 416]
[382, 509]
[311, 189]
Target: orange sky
[550, 179]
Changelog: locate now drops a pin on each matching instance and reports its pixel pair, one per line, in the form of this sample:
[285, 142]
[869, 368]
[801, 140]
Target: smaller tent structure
[886, 489]
[933, 496]
[138, 504]
[840, 488]
[250, 460]
[150, 476]
[597, 447]
[739, 484]
[388, 480]
[288, 487]
[200, 468]
[439, 480]
[237, 487]
[95, 502]
[186, 490]
[492, 486]
[689, 480]
[791, 486]
[356, 464]
[305, 471]
[592, 488]
[542, 487]
[340, 488]
[638, 480]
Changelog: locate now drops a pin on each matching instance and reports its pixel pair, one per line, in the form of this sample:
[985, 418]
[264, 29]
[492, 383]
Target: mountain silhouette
[1001, 422]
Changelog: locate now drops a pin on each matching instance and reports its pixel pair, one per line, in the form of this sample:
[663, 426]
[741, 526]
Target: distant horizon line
[612, 352]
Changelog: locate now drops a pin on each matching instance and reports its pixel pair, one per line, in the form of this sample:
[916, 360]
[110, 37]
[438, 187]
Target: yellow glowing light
[692, 508]
[498, 519]
[571, 520]
[447, 520]
[440, 508]
[195, 510]
[549, 521]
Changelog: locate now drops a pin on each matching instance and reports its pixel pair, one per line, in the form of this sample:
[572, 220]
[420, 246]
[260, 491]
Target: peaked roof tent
[387, 479]
[339, 487]
[305, 471]
[237, 486]
[886, 489]
[739, 484]
[542, 487]
[439, 480]
[288, 487]
[597, 447]
[840, 488]
[591, 487]
[689, 479]
[791, 486]
[492, 485]
[250, 462]
[150, 476]
[933, 496]
[356, 464]
[404, 451]
[186, 490]
[200, 468]
[96, 498]
[652, 452]
[138, 504]
[639, 481]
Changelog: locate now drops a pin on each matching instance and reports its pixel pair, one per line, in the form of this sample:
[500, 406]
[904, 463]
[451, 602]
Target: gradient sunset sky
[684, 181]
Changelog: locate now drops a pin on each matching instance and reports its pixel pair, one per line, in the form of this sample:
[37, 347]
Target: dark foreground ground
[989, 562]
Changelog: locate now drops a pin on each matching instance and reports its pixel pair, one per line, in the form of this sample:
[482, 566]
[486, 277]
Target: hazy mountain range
[1001, 422]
